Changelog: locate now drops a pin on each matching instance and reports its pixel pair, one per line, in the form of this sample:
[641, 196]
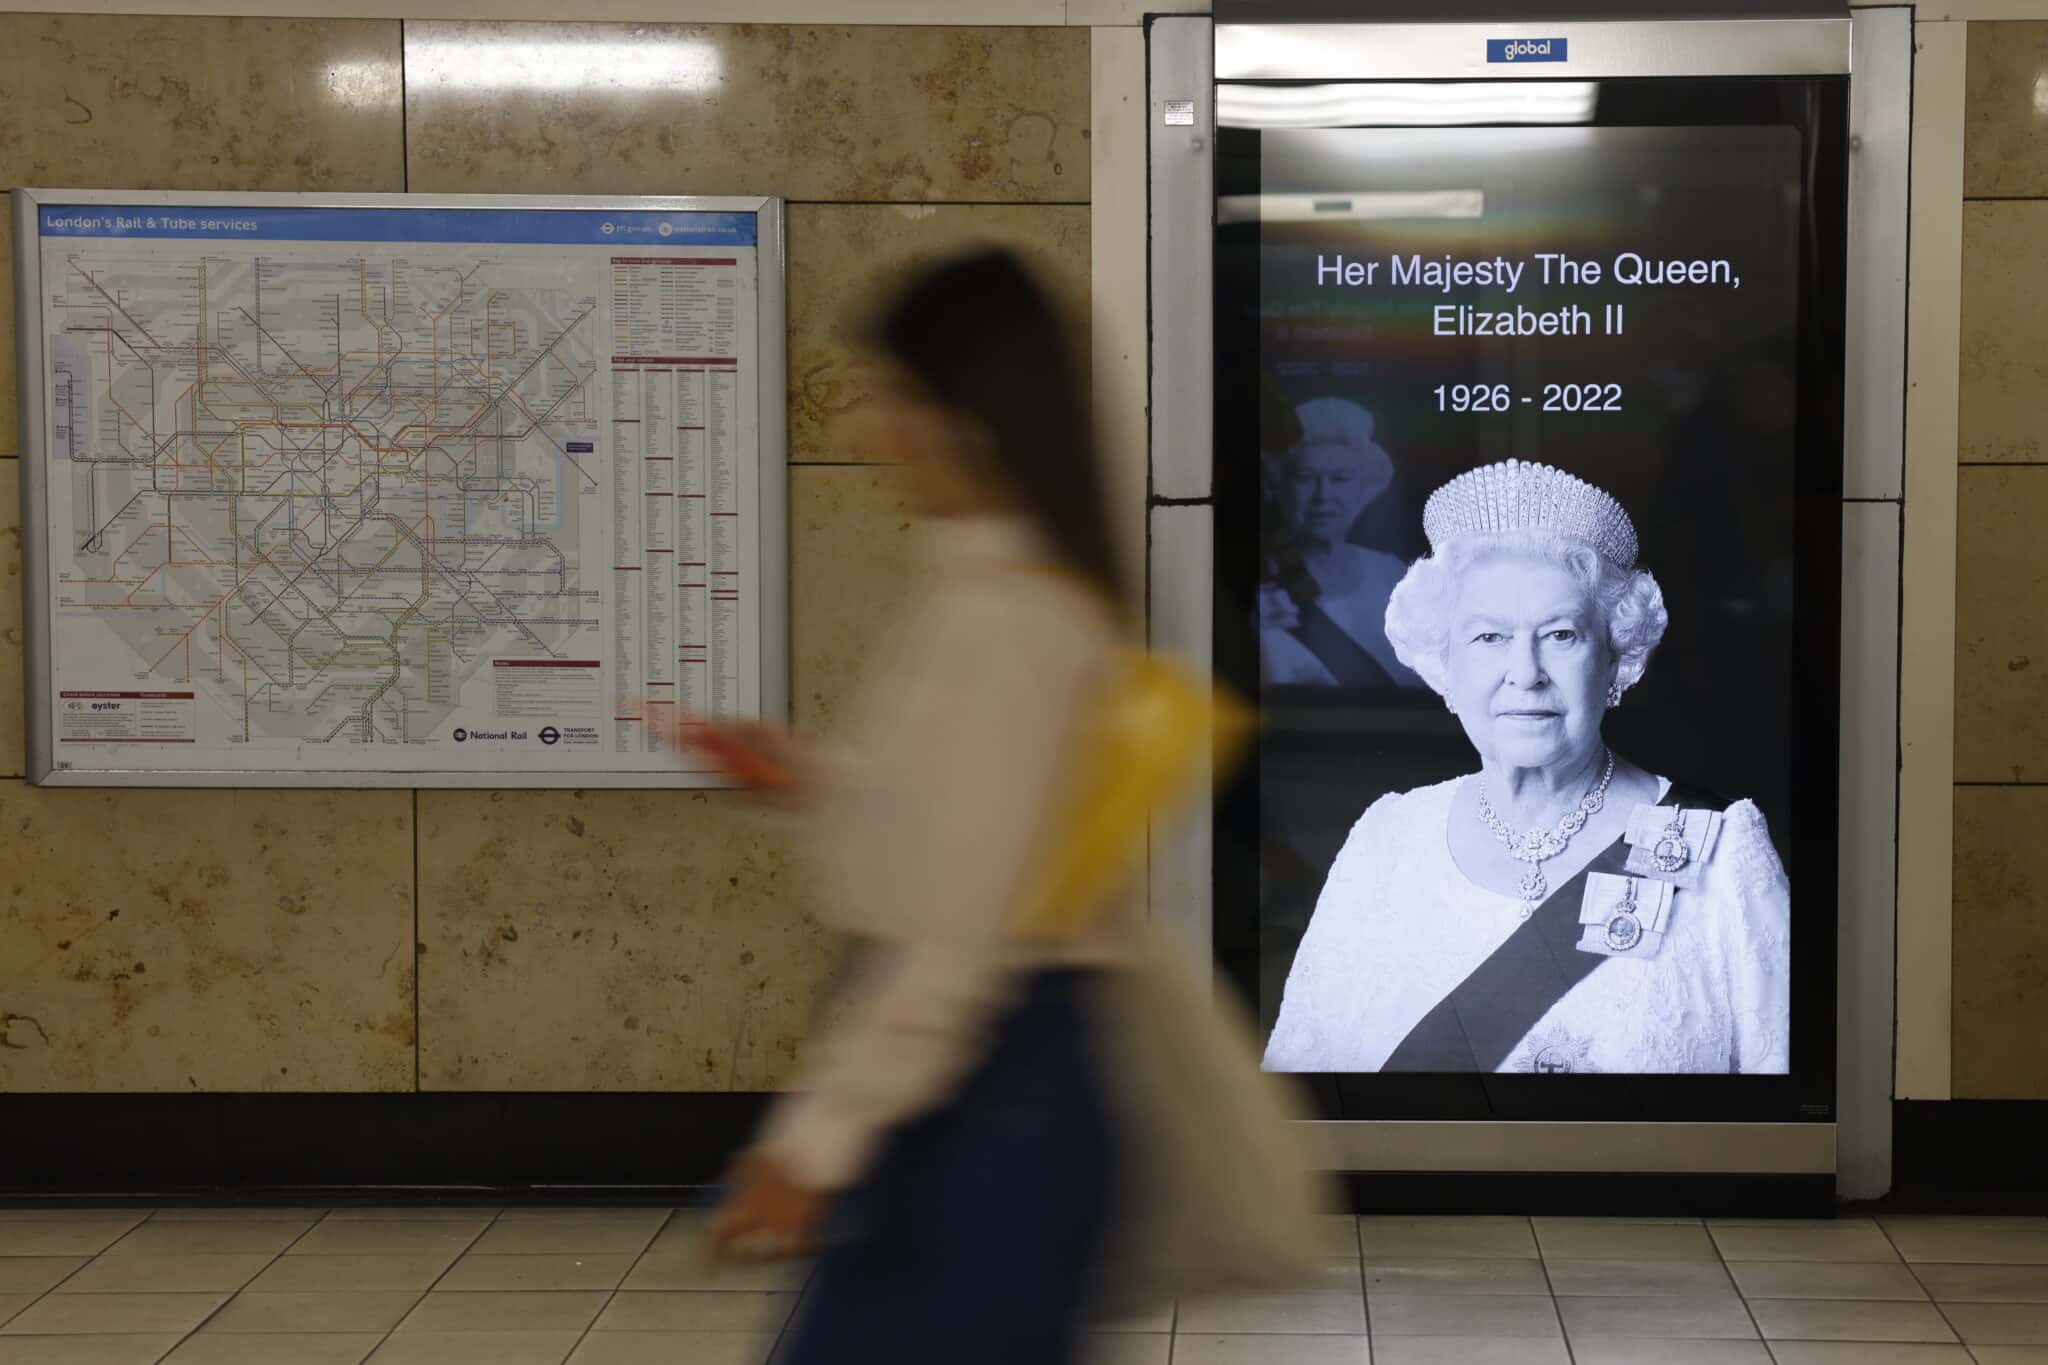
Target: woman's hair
[986, 340]
[1419, 612]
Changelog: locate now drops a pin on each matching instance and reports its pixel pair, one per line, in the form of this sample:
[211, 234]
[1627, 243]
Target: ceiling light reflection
[1406, 105]
[1374, 205]
[514, 62]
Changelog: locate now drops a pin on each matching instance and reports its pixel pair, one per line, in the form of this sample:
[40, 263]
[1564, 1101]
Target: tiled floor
[630, 1287]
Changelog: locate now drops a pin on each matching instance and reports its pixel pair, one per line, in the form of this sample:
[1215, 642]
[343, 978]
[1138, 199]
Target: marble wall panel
[610, 941]
[875, 113]
[154, 102]
[205, 940]
[2001, 944]
[655, 940]
[2004, 383]
[844, 257]
[2001, 625]
[2005, 152]
[854, 563]
[13, 742]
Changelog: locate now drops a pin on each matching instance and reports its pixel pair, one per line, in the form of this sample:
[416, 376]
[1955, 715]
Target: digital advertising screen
[1529, 448]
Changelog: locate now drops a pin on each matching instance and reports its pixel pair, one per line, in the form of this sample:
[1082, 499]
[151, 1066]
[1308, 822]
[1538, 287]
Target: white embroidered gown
[1398, 926]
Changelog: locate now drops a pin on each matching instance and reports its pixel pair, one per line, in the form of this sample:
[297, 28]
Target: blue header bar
[552, 227]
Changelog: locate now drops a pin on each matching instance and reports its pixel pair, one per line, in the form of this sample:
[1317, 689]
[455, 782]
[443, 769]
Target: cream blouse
[924, 838]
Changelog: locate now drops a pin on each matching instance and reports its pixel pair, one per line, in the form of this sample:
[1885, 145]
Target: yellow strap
[1140, 751]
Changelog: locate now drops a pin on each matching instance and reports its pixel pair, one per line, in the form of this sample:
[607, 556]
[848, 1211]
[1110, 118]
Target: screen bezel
[1818, 108]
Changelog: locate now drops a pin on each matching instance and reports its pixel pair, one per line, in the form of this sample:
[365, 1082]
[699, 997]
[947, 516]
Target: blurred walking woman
[954, 1120]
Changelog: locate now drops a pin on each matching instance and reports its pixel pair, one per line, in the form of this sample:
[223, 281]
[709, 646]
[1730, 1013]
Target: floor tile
[1600, 1239]
[561, 1271]
[101, 1349]
[261, 1311]
[1847, 1239]
[1439, 1315]
[2010, 1355]
[1323, 1312]
[1457, 1277]
[425, 1213]
[624, 1213]
[701, 1311]
[35, 1274]
[1717, 1315]
[67, 1237]
[548, 1310]
[670, 1348]
[1865, 1353]
[679, 1269]
[10, 1304]
[1826, 1280]
[1637, 1279]
[236, 1214]
[117, 1271]
[1431, 1239]
[298, 1274]
[1995, 1324]
[1336, 1235]
[1977, 1241]
[1469, 1351]
[375, 1237]
[1666, 1351]
[85, 1314]
[1147, 1321]
[1139, 1348]
[214, 1237]
[525, 1236]
[276, 1348]
[1959, 1283]
[476, 1348]
[1846, 1320]
[1211, 1349]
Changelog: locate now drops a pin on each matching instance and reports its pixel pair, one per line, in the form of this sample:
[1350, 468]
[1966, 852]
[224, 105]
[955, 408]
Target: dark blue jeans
[976, 1236]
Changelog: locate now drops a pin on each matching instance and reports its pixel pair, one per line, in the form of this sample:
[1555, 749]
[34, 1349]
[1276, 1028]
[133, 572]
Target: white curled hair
[1419, 612]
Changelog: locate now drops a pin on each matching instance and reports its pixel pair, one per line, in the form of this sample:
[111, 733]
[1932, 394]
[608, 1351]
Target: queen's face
[1529, 664]
[1328, 484]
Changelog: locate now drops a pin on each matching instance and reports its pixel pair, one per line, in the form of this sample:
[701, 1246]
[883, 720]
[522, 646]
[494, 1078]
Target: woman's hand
[768, 1216]
[761, 757]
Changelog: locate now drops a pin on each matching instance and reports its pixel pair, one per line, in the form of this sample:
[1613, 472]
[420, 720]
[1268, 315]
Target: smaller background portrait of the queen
[1332, 551]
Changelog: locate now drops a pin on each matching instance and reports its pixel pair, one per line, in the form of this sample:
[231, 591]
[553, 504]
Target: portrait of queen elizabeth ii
[1561, 910]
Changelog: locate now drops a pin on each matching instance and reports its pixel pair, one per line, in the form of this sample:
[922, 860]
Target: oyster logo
[1525, 50]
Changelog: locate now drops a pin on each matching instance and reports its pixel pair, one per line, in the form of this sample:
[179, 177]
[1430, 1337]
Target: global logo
[550, 735]
[1525, 50]
[460, 734]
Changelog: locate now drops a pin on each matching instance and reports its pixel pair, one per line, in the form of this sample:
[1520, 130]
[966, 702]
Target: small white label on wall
[1180, 113]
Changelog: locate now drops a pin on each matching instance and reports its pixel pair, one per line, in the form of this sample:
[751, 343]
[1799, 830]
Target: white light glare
[511, 61]
[1406, 105]
[1374, 205]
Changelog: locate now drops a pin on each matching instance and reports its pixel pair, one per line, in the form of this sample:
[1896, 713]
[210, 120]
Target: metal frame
[1182, 521]
[1367, 51]
[772, 487]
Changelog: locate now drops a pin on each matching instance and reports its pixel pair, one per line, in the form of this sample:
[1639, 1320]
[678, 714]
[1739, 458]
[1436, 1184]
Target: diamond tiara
[1515, 496]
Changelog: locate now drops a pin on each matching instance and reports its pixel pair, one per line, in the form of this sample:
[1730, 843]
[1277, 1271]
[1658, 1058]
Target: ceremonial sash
[1346, 659]
[1483, 1020]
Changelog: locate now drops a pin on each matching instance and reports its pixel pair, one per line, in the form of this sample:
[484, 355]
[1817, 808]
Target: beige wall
[2001, 709]
[386, 940]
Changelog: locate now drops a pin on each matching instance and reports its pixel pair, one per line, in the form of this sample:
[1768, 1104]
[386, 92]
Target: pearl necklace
[1538, 846]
